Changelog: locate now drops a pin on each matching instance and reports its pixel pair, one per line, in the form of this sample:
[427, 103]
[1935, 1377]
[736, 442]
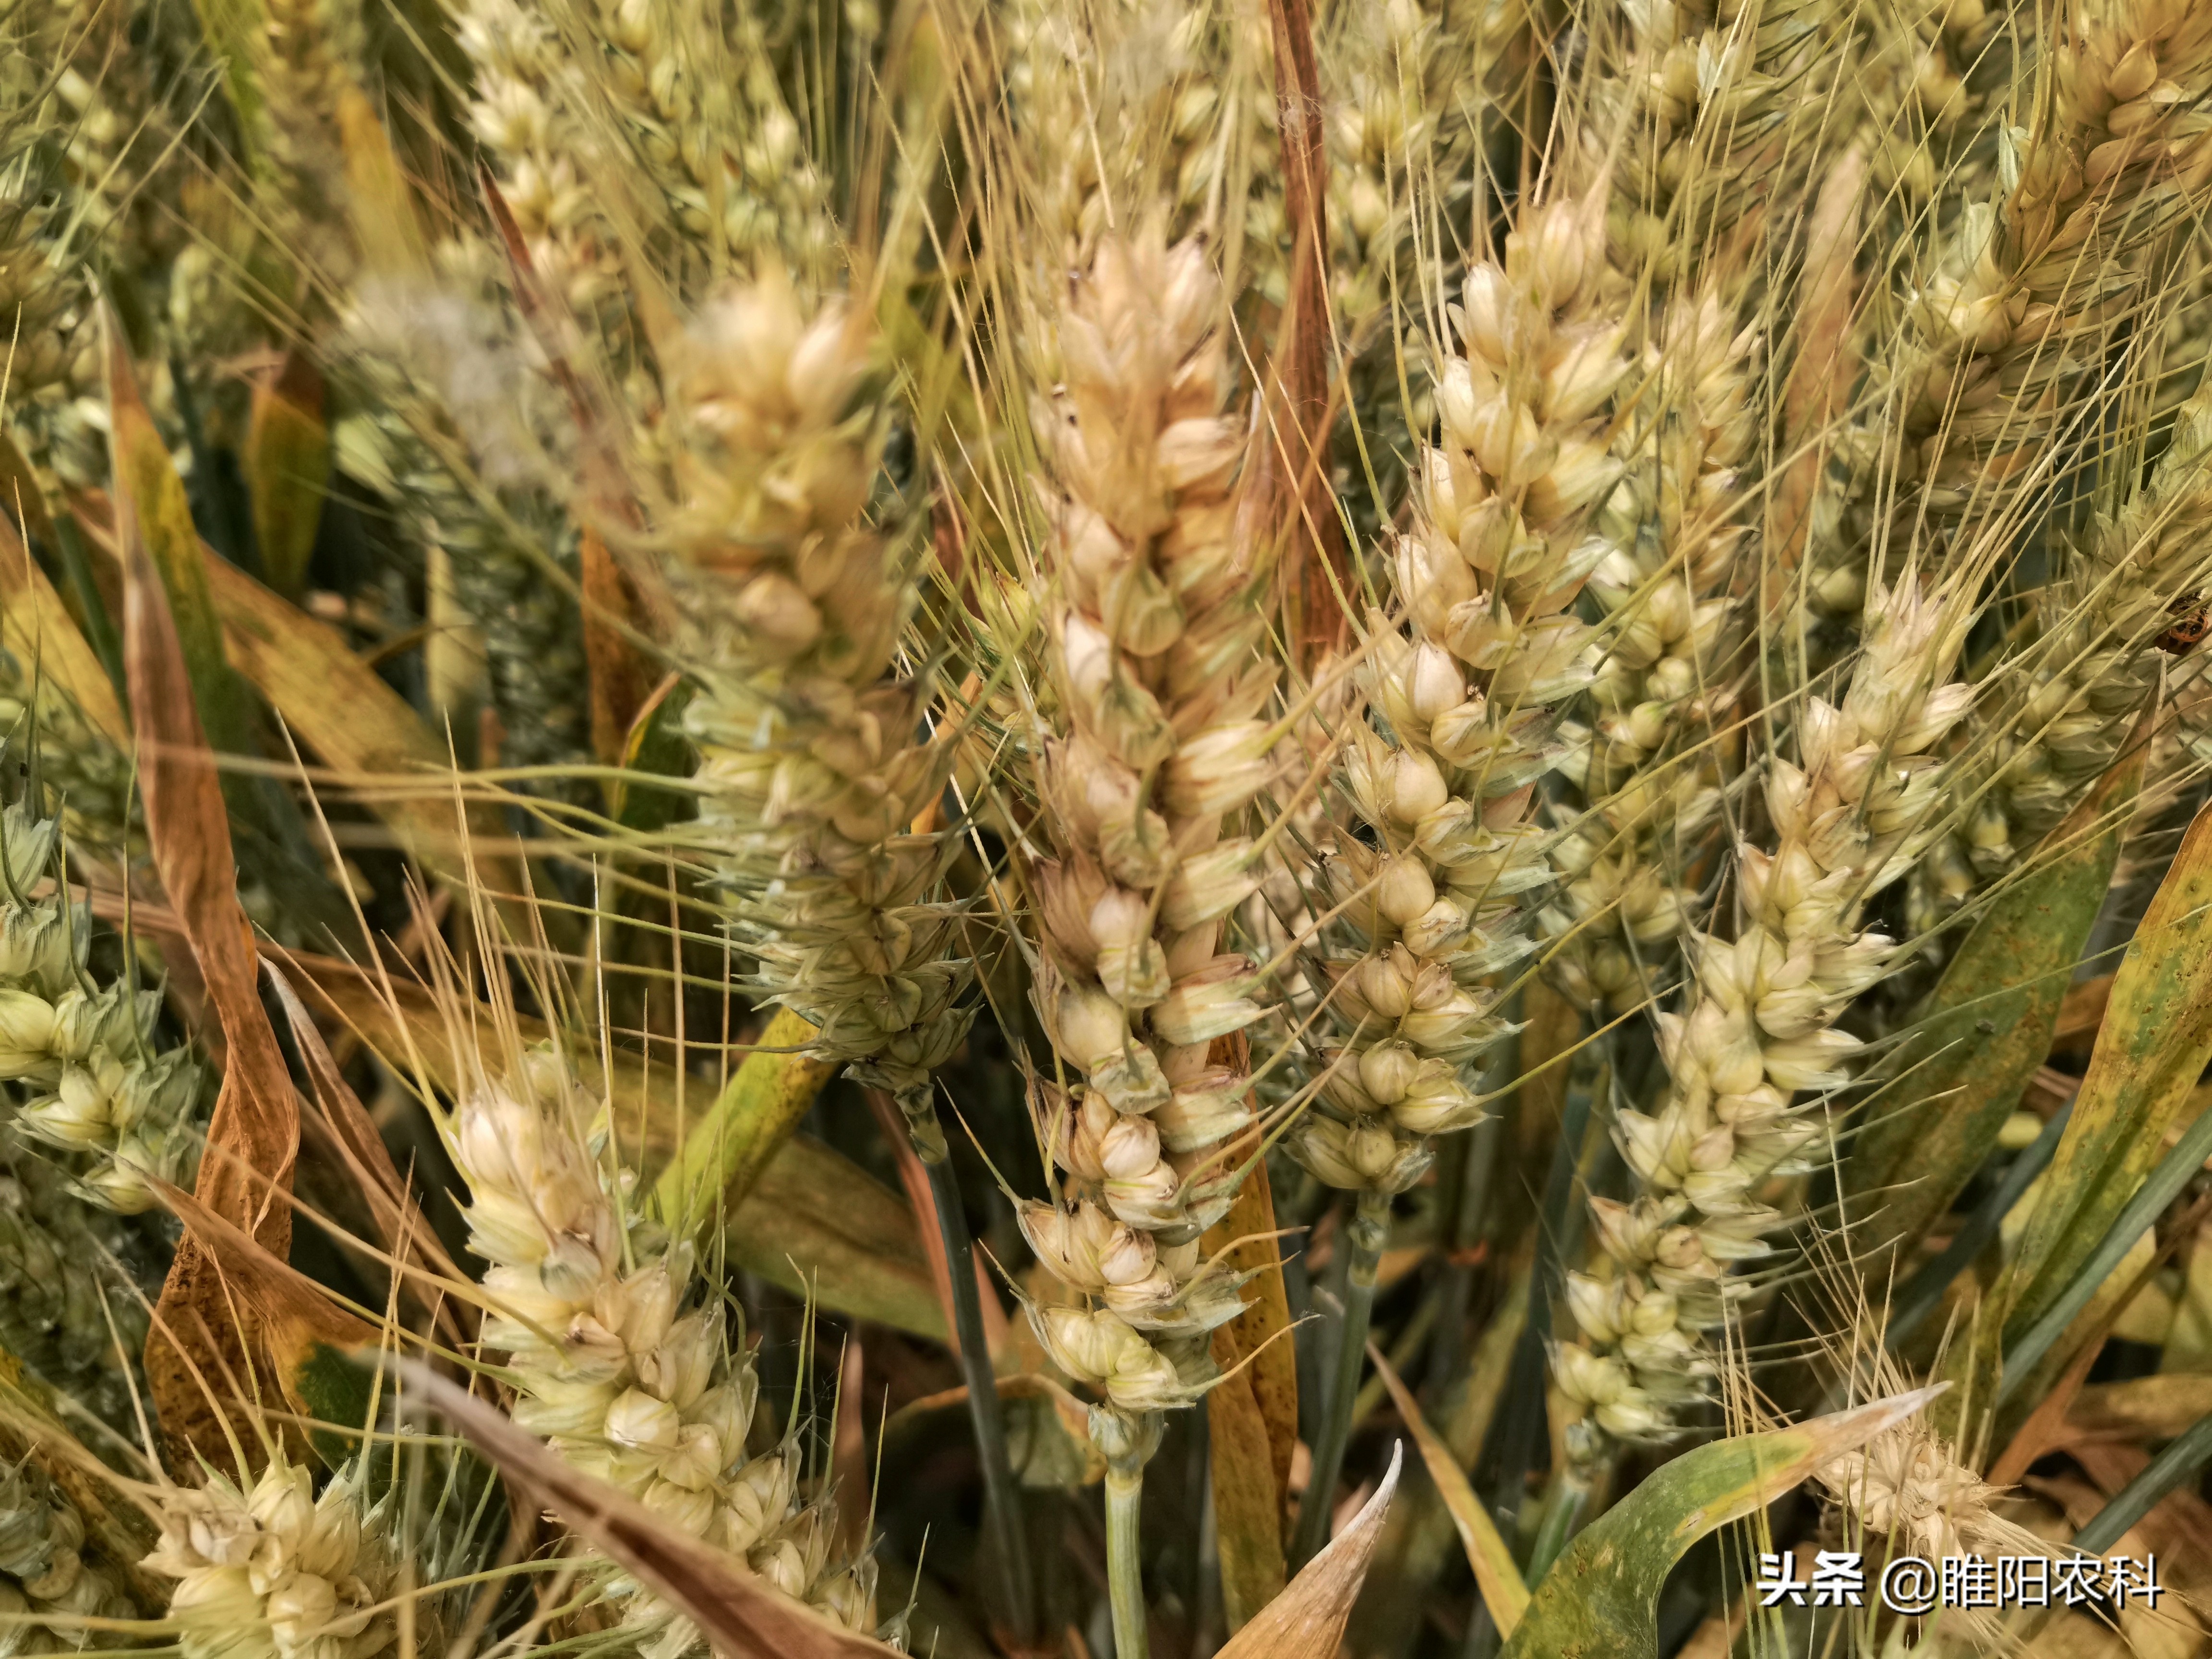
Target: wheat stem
[1002, 1502]
[1366, 1236]
[1125, 1558]
[1563, 1508]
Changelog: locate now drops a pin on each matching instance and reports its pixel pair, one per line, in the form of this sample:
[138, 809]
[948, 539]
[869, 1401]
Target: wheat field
[1115, 829]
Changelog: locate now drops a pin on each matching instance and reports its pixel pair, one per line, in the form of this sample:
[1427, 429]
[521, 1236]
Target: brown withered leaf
[1317, 579]
[739, 1615]
[306, 1339]
[288, 1306]
[2144, 1407]
[1252, 1414]
[1821, 378]
[245, 1171]
[1307, 1621]
[622, 680]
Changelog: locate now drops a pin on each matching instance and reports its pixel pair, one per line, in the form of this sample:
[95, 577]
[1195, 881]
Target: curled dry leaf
[303, 1335]
[1307, 1621]
[196, 1347]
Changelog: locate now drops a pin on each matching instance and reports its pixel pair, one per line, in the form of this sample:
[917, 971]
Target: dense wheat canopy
[876, 826]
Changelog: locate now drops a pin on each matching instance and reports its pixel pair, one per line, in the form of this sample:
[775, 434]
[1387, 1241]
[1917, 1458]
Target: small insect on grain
[2192, 620]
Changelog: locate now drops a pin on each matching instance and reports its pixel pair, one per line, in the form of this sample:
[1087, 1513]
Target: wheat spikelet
[1692, 123]
[808, 720]
[86, 1079]
[72, 1282]
[2052, 724]
[2021, 311]
[1421, 139]
[432, 374]
[49, 1570]
[1445, 776]
[1649, 767]
[62, 148]
[1176, 113]
[89, 775]
[628, 128]
[307, 60]
[1920, 84]
[1695, 114]
[619, 1361]
[277, 1571]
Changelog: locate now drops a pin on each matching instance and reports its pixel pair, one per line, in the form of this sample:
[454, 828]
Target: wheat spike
[622, 1364]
